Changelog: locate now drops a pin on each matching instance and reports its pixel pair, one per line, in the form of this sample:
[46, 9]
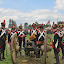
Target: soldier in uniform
[40, 40]
[10, 33]
[56, 43]
[2, 40]
[34, 32]
[61, 38]
[21, 36]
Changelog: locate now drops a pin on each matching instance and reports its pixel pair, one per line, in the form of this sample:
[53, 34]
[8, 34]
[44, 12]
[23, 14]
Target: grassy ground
[32, 60]
[7, 56]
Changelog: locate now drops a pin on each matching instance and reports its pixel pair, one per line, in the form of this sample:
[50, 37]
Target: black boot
[42, 54]
[34, 52]
[3, 55]
[57, 59]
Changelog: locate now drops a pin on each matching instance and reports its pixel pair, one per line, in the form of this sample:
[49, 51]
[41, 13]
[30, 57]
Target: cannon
[29, 46]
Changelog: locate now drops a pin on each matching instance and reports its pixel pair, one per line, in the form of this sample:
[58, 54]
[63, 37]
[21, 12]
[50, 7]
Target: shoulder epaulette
[9, 32]
[55, 33]
[38, 31]
[17, 32]
[44, 31]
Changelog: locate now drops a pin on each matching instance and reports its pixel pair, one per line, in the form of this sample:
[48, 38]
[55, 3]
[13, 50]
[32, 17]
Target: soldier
[34, 34]
[61, 38]
[34, 31]
[40, 40]
[2, 40]
[21, 36]
[10, 34]
[56, 42]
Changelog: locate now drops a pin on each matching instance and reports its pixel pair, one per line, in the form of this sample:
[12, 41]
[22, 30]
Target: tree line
[27, 25]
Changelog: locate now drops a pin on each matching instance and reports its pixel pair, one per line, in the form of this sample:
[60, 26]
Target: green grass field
[7, 56]
[32, 60]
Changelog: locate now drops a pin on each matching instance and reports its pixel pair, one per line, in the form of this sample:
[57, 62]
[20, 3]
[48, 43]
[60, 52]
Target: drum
[32, 37]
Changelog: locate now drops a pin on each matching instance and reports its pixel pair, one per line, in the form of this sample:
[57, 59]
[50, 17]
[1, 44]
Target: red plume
[37, 23]
[53, 22]
[42, 23]
[4, 21]
[33, 23]
[13, 24]
[44, 31]
[61, 22]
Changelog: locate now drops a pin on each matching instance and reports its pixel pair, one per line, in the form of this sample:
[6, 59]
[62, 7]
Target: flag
[48, 22]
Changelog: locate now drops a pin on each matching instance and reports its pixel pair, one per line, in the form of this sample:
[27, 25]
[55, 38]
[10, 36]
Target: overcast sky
[30, 11]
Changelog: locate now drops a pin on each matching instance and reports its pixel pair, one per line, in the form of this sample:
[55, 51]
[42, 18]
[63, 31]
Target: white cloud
[55, 10]
[40, 15]
[59, 4]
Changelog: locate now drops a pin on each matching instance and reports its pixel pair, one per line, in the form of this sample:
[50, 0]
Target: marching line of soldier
[37, 35]
[36, 31]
